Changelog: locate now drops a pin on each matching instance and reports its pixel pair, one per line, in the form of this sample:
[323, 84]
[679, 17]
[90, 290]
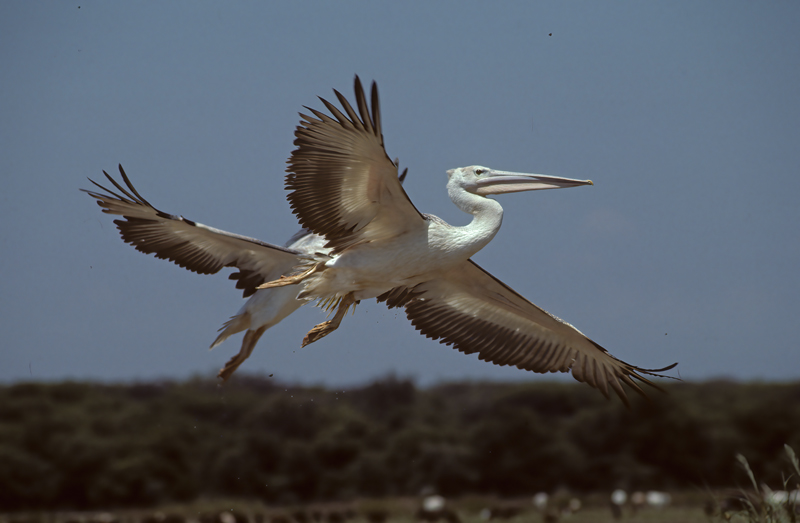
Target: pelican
[206, 250]
[375, 244]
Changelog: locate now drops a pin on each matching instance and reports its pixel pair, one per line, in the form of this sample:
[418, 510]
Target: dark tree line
[89, 445]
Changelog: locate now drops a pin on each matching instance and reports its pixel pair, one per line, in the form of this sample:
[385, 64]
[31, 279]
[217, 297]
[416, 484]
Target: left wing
[343, 185]
[475, 312]
[191, 245]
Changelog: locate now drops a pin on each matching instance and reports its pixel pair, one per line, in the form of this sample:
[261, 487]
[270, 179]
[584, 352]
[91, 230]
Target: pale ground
[193, 511]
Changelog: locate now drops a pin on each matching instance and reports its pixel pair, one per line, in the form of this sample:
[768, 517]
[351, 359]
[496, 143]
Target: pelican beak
[501, 182]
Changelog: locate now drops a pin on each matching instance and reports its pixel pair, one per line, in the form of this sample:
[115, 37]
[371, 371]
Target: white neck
[487, 218]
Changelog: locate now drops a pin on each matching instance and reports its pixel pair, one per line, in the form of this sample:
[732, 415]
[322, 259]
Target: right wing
[192, 245]
[476, 313]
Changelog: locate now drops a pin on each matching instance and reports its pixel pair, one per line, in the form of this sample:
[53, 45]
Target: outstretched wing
[192, 245]
[343, 185]
[475, 312]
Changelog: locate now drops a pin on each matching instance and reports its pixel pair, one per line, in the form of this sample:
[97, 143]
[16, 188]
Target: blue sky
[686, 116]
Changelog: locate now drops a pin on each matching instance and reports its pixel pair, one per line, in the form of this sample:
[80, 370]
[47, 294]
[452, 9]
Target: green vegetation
[88, 445]
[762, 503]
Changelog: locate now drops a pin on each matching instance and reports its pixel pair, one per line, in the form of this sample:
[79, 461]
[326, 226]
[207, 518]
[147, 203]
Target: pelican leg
[292, 280]
[326, 327]
[248, 344]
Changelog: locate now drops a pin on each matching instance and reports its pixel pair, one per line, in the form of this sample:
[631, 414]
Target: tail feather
[236, 324]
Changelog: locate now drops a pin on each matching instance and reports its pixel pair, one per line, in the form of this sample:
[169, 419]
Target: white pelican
[207, 250]
[378, 245]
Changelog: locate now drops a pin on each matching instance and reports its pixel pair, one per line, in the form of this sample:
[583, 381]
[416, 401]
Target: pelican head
[484, 181]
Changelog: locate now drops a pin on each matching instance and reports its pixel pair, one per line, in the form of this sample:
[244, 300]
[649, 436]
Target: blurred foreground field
[165, 447]
[403, 510]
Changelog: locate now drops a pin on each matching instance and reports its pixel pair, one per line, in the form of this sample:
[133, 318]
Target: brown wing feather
[477, 313]
[342, 184]
[189, 244]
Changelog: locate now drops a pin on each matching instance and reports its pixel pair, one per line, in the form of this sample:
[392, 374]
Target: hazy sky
[686, 115]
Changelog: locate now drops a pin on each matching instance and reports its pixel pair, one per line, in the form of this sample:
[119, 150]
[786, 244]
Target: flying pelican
[207, 250]
[345, 189]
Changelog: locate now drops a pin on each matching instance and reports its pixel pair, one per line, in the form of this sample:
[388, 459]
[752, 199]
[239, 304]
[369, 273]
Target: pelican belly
[370, 269]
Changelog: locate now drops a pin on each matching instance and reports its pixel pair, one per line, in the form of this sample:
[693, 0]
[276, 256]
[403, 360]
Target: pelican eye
[480, 171]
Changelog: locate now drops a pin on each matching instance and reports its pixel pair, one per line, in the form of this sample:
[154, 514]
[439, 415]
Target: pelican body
[430, 246]
[365, 239]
